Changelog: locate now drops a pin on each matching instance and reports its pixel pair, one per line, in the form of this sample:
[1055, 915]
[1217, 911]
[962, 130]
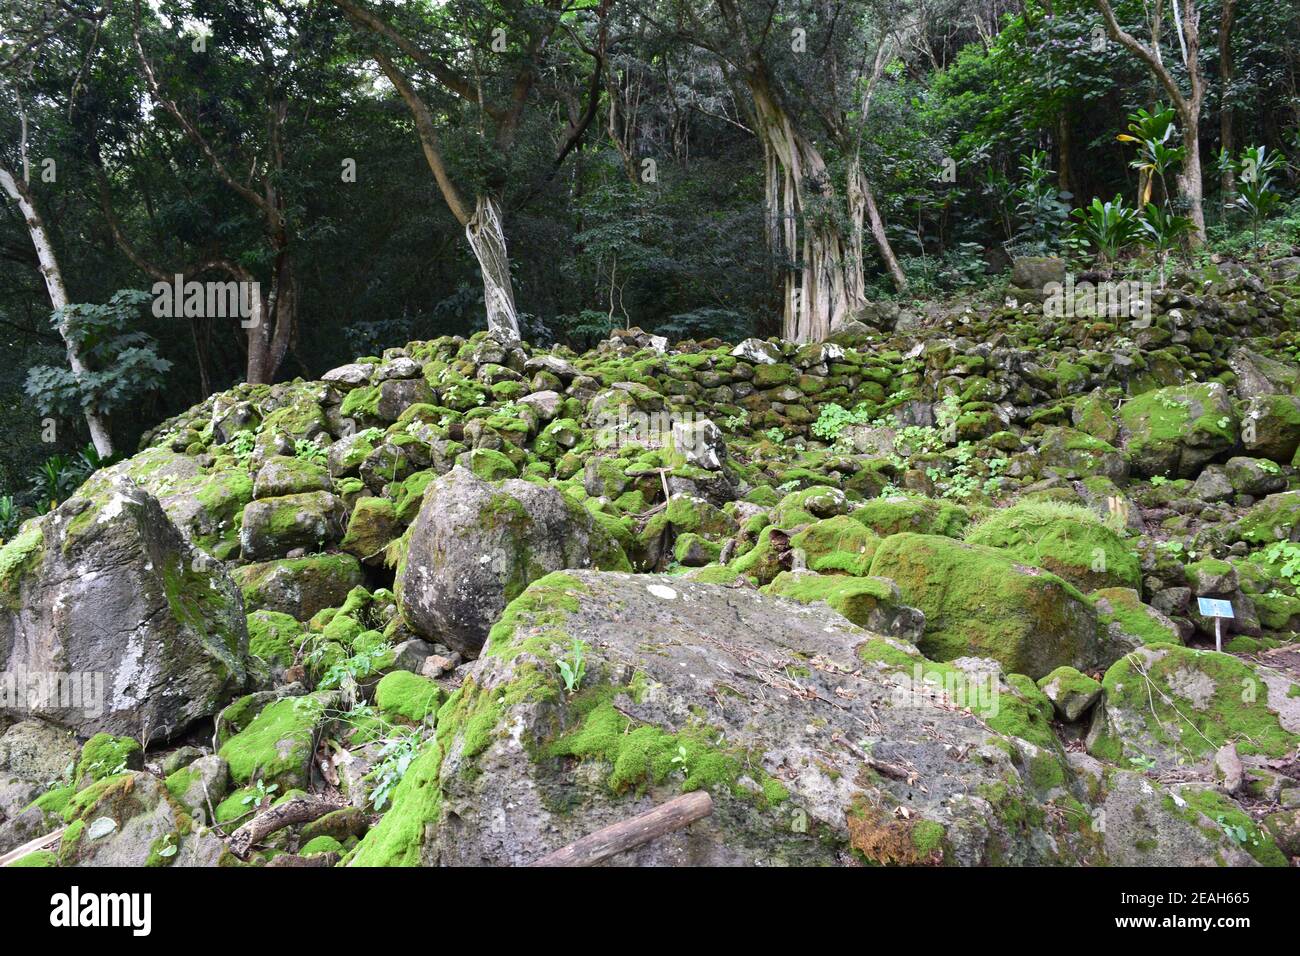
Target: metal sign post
[1218, 609]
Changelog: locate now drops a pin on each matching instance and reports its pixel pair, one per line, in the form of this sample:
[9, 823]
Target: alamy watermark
[692, 435]
[977, 691]
[45, 691]
[1116, 300]
[179, 299]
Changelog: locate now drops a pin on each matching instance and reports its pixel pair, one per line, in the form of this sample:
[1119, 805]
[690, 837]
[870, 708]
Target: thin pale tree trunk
[58, 291]
[487, 239]
[822, 287]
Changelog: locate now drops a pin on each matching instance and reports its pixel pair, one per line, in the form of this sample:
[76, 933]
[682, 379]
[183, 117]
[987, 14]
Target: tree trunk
[862, 200]
[822, 284]
[1190, 184]
[487, 238]
[49, 264]
[1064, 143]
[1226, 73]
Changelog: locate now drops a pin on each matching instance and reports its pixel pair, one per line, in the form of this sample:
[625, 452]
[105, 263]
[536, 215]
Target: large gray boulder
[476, 544]
[146, 632]
[818, 741]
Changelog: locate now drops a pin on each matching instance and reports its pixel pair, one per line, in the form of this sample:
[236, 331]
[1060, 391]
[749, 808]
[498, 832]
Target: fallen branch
[298, 810]
[32, 846]
[619, 837]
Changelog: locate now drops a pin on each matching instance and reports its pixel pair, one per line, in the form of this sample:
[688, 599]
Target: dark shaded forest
[697, 168]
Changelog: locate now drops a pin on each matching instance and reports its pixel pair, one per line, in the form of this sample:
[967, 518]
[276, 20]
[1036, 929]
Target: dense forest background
[334, 151]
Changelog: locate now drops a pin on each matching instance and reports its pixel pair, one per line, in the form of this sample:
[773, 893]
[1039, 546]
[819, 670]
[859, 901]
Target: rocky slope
[922, 594]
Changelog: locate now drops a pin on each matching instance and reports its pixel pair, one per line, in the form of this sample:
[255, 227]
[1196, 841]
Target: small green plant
[573, 666]
[1255, 196]
[241, 446]
[261, 794]
[395, 757]
[1040, 206]
[9, 518]
[1109, 227]
[1286, 555]
[168, 847]
[679, 761]
[308, 450]
[736, 422]
[832, 420]
[775, 435]
[1143, 762]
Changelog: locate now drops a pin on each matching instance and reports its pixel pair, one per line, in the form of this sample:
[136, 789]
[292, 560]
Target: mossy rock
[276, 747]
[871, 603]
[980, 601]
[896, 515]
[407, 698]
[372, 526]
[1176, 431]
[274, 636]
[839, 545]
[104, 755]
[299, 587]
[1070, 541]
[1128, 622]
[1174, 705]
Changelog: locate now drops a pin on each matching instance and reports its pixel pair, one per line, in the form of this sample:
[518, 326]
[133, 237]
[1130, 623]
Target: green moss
[399, 836]
[18, 556]
[1236, 823]
[977, 600]
[273, 636]
[52, 803]
[1123, 607]
[408, 697]
[38, 858]
[104, 755]
[1227, 701]
[887, 516]
[927, 836]
[855, 598]
[489, 465]
[640, 755]
[276, 745]
[321, 844]
[1068, 540]
[837, 545]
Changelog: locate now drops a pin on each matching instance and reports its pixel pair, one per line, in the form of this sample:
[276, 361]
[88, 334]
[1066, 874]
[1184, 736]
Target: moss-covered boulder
[274, 636]
[281, 475]
[476, 544]
[106, 586]
[407, 698]
[1070, 541]
[1276, 518]
[201, 785]
[131, 819]
[981, 601]
[372, 526]
[872, 603]
[272, 527]
[839, 545]
[1129, 623]
[276, 746]
[104, 755]
[1070, 692]
[677, 696]
[1176, 431]
[299, 587]
[896, 515]
[1172, 705]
